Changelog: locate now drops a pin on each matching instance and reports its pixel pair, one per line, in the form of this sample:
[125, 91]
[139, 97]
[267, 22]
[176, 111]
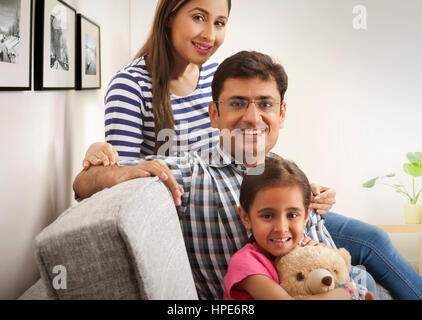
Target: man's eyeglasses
[264, 105]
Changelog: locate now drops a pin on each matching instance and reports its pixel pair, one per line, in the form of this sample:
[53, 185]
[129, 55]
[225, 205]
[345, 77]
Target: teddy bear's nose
[327, 280]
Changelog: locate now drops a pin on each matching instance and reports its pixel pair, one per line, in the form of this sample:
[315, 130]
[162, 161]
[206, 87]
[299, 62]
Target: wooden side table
[407, 228]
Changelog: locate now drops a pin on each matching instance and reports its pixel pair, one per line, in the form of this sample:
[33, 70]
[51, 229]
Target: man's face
[251, 130]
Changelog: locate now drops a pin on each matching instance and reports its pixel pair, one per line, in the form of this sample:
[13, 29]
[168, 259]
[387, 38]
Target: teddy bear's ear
[346, 256]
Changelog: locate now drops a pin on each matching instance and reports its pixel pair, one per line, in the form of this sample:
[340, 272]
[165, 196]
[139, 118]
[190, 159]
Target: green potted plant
[412, 210]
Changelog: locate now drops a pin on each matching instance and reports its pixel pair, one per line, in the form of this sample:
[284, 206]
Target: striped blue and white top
[129, 119]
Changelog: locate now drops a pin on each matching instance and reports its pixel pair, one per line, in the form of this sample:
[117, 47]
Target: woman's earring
[167, 38]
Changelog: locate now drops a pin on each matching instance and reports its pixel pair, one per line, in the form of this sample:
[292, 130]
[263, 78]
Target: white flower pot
[413, 213]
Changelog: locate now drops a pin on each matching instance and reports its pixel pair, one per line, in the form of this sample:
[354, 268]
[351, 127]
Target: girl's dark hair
[277, 172]
[158, 47]
[247, 65]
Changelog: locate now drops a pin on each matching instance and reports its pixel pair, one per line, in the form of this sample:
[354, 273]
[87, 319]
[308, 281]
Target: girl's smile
[280, 241]
[277, 219]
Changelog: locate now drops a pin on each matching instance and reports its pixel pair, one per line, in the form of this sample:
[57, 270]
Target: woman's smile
[202, 48]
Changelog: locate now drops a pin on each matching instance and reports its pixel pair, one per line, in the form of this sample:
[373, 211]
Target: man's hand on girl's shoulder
[323, 199]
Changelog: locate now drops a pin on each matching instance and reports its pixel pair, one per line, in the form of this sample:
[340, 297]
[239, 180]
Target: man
[249, 109]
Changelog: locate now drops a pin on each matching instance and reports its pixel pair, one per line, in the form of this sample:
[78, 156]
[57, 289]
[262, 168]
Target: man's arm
[324, 198]
[97, 178]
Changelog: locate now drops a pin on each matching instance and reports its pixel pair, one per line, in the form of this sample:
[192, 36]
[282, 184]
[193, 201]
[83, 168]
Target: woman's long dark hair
[158, 49]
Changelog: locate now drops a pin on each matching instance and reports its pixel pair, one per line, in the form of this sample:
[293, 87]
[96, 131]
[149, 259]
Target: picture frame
[55, 46]
[88, 54]
[15, 44]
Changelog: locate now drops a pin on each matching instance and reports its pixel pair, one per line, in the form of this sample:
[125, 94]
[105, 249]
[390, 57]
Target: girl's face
[198, 29]
[277, 219]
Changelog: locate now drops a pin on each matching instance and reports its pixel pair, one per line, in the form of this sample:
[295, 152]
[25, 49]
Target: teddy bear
[313, 269]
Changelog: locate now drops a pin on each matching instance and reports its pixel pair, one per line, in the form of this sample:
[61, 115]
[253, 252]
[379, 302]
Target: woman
[173, 64]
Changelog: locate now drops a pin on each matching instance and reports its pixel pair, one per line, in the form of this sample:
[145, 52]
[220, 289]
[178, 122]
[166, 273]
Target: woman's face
[198, 29]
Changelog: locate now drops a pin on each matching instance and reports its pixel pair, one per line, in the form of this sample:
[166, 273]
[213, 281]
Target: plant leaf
[406, 194]
[412, 169]
[389, 175]
[370, 183]
[417, 196]
[414, 157]
[398, 185]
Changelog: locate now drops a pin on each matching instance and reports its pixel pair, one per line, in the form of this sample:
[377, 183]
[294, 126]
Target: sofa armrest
[122, 243]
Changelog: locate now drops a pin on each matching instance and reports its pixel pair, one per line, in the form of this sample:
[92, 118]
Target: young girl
[275, 207]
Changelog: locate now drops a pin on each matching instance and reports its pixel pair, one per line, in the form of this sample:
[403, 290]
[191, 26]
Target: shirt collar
[220, 158]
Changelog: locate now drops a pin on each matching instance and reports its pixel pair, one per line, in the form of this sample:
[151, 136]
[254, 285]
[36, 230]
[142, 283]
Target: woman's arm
[261, 287]
[124, 113]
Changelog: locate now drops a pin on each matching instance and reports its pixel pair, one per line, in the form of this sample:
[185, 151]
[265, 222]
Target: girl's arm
[261, 287]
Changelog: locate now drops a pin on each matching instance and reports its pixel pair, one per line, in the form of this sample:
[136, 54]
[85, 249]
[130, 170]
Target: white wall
[142, 14]
[353, 103]
[44, 137]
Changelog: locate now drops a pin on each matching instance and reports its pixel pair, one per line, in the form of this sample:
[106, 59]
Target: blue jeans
[371, 247]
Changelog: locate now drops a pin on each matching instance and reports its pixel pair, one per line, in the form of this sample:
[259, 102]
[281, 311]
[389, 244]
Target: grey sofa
[122, 243]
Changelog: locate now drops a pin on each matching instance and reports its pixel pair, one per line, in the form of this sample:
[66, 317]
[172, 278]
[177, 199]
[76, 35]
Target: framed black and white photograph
[88, 62]
[55, 46]
[15, 44]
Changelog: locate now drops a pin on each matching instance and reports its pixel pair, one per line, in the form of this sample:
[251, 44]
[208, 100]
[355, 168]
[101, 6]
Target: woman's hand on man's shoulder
[100, 153]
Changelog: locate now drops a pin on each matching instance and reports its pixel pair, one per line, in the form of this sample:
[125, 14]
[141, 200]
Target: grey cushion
[383, 293]
[37, 292]
[122, 243]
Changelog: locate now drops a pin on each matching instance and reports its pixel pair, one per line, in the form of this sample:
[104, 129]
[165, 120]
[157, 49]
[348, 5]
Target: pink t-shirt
[246, 262]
